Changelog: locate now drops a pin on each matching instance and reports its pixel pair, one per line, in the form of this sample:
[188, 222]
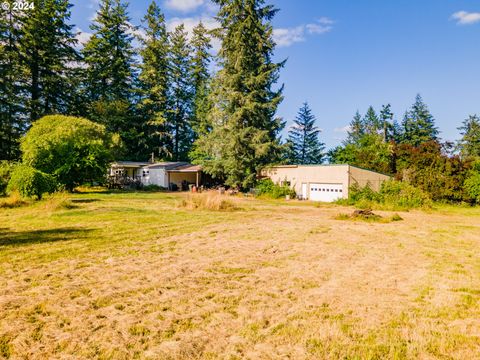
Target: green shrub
[404, 195]
[153, 188]
[30, 182]
[472, 186]
[75, 150]
[393, 194]
[268, 188]
[6, 168]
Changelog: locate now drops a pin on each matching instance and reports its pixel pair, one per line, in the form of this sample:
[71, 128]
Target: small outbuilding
[324, 182]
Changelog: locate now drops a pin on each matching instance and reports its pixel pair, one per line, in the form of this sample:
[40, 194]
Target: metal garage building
[324, 182]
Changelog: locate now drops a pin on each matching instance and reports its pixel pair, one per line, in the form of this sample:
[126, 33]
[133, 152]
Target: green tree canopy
[469, 144]
[245, 131]
[74, 150]
[303, 135]
[419, 124]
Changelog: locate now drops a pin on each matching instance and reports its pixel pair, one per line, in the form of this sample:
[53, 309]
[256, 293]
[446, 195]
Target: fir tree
[12, 86]
[245, 131]
[109, 74]
[181, 93]
[469, 144]
[154, 84]
[356, 129]
[418, 124]
[47, 49]
[201, 59]
[386, 123]
[303, 135]
[371, 122]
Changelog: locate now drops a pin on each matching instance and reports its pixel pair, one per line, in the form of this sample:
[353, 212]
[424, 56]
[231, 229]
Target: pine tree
[356, 129]
[245, 131]
[386, 123]
[181, 94]
[154, 85]
[371, 122]
[12, 89]
[303, 135]
[419, 124]
[109, 74]
[469, 144]
[47, 48]
[201, 59]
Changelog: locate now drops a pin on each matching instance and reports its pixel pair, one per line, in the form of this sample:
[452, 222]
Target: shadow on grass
[16, 238]
[84, 201]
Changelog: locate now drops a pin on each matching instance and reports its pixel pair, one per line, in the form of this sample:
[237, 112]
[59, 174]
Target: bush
[75, 150]
[393, 194]
[30, 182]
[472, 186]
[269, 189]
[153, 188]
[5, 173]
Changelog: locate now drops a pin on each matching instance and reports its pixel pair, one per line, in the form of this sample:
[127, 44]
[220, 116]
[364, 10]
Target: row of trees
[161, 98]
[155, 98]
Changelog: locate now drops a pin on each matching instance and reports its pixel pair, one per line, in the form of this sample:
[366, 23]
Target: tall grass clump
[12, 201]
[268, 188]
[393, 195]
[208, 201]
[58, 201]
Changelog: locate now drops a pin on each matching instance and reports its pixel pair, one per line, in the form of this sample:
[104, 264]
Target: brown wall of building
[363, 177]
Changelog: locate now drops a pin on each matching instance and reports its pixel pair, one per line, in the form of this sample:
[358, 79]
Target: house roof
[134, 164]
[187, 168]
[167, 165]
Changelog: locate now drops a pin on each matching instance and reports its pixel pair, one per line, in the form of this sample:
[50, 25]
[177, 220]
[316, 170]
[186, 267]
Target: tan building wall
[346, 175]
[363, 177]
[306, 174]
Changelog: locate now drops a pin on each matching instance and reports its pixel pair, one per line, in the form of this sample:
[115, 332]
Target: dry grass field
[121, 276]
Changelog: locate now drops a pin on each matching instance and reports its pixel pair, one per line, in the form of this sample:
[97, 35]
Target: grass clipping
[208, 201]
[368, 216]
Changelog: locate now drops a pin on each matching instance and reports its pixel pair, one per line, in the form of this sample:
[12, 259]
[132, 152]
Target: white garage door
[325, 192]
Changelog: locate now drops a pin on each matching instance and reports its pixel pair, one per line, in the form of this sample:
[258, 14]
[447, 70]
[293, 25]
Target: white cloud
[466, 18]
[343, 129]
[190, 22]
[288, 36]
[184, 5]
[82, 37]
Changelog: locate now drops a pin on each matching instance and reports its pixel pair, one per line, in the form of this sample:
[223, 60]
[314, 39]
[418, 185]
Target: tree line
[164, 98]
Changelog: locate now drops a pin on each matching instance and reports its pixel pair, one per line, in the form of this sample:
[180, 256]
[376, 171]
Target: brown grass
[12, 201]
[134, 276]
[209, 201]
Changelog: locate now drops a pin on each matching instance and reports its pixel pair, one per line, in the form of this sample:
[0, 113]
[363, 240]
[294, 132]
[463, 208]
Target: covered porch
[184, 175]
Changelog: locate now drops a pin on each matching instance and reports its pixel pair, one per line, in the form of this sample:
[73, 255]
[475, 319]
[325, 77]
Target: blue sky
[345, 55]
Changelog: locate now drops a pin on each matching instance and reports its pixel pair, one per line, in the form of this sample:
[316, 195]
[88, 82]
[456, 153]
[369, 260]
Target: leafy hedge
[393, 194]
[268, 188]
[30, 182]
[472, 187]
[5, 173]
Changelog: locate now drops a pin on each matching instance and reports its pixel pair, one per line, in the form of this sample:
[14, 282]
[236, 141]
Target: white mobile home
[164, 174]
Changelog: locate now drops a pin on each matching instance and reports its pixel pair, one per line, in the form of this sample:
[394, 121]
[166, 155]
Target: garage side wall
[296, 175]
[363, 177]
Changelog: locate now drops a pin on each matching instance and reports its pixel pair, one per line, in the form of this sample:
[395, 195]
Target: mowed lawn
[121, 276]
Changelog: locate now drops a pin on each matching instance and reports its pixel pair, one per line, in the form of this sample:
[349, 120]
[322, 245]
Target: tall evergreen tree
[469, 144]
[47, 47]
[154, 84]
[303, 135]
[109, 73]
[181, 93]
[201, 59]
[371, 121]
[12, 85]
[245, 131]
[418, 124]
[356, 129]
[386, 123]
